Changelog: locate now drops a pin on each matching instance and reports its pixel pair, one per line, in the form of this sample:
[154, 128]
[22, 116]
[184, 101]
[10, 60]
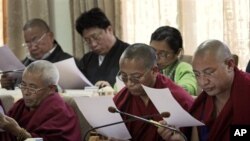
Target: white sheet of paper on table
[70, 76]
[95, 110]
[165, 102]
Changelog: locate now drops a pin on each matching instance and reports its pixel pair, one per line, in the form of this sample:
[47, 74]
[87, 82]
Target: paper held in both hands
[8, 61]
[95, 110]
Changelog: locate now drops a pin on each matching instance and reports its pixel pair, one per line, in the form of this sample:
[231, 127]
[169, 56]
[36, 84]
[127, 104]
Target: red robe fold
[126, 102]
[235, 112]
[53, 120]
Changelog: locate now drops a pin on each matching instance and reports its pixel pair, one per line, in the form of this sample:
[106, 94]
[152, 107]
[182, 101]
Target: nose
[129, 83]
[26, 93]
[92, 43]
[32, 47]
[203, 81]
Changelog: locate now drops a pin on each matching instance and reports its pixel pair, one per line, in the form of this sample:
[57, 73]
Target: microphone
[164, 114]
[155, 123]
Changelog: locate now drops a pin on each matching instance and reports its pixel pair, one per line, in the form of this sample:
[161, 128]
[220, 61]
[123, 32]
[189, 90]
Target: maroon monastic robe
[53, 120]
[126, 102]
[235, 112]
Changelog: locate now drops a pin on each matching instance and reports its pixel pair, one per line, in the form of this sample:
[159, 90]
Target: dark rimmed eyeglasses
[95, 37]
[164, 54]
[134, 78]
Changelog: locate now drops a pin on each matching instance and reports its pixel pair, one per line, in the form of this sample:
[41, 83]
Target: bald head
[213, 66]
[140, 52]
[213, 48]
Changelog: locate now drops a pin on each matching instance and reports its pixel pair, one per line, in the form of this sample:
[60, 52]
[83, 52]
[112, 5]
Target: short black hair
[170, 35]
[95, 17]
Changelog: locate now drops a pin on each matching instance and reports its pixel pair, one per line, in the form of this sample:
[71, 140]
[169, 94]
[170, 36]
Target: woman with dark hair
[167, 41]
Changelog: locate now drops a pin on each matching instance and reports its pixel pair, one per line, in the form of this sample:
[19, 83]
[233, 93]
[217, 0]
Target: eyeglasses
[94, 37]
[34, 42]
[164, 54]
[31, 90]
[133, 78]
[207, 73]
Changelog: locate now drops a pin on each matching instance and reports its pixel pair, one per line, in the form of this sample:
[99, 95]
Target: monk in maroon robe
[233, 113]
[138, 66]
[41, 112]
[225, 97]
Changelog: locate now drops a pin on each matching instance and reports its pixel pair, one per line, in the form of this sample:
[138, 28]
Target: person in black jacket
[41, 45]
[101, 64]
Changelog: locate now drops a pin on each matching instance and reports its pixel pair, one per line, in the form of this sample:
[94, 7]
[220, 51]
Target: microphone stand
[106, 125]
[155, 123]
[111, 124]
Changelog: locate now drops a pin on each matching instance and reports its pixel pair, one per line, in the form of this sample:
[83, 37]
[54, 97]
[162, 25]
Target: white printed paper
[8, 61]
[165, 102]
[70, 76]
[95, 110]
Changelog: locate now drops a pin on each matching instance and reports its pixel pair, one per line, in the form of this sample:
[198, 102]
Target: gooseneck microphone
[155, 123]
[110, 109]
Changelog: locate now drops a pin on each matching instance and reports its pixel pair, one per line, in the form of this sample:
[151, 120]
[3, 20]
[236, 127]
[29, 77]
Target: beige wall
[61, 25]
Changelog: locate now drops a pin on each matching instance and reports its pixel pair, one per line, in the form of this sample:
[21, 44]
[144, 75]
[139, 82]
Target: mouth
[208, 89]
[27, 101]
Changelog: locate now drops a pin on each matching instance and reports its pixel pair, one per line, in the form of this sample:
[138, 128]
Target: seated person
[167, 42]
[41, 112]
[138, 66]
[101, 64]
[41, 45]
[225, 94]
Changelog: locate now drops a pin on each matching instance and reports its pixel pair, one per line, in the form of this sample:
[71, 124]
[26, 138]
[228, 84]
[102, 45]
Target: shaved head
[213, 66]
[214, 48]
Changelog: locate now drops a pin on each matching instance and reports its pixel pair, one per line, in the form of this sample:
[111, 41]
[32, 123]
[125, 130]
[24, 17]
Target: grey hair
[47, 71]
[140, 51]
[41, 24]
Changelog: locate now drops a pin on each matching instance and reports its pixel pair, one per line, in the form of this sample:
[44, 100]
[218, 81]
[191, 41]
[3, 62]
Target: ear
[109, 29]
[155, 70]
[230, 64]
[53, 88]
[51, 35]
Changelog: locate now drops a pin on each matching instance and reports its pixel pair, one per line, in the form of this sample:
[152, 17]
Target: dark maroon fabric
[53, 120]
[126, 102]
[235, 112]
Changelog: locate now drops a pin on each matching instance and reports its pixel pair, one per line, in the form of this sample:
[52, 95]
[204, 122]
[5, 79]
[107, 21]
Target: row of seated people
[101, 64]
[135, 69]
[42, 112]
